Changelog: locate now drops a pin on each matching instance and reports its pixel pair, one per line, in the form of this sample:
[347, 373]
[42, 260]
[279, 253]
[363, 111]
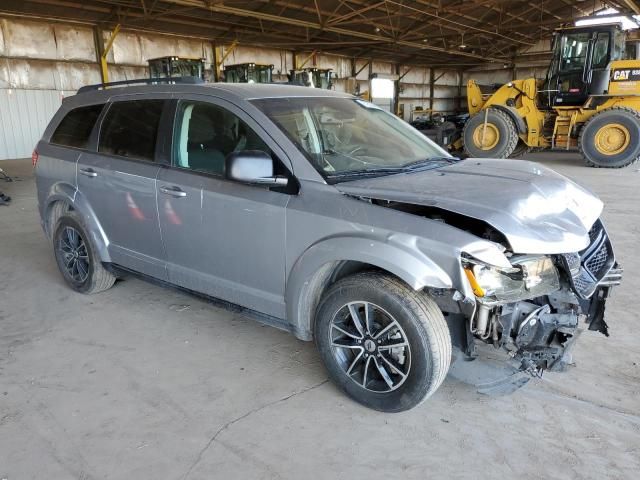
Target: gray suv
[328, 217]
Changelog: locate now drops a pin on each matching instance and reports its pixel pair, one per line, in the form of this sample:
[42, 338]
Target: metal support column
[395, 108]
[103, 50]
[220, 58]
[432, 81]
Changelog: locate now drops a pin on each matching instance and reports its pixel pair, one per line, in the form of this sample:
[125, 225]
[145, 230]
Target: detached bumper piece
[598, 300]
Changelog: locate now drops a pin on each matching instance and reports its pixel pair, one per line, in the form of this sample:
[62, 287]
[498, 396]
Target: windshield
[574, 51]
[345, 137]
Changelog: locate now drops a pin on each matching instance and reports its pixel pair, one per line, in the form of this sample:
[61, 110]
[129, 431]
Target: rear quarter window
[75, 128]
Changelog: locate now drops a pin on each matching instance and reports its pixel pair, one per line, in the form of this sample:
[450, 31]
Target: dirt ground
[146, 382]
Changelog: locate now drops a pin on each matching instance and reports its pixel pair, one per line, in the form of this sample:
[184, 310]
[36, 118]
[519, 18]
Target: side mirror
[254, 167]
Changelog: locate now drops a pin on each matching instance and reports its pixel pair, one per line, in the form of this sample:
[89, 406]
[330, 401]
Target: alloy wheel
[73, 252]
[370, 346]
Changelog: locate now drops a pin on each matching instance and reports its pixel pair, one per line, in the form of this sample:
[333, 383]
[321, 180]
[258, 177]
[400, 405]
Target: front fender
[62, 192]
[515, 117]
[313, 269]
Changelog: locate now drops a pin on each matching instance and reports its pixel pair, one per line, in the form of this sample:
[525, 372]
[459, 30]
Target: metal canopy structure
[419, 32]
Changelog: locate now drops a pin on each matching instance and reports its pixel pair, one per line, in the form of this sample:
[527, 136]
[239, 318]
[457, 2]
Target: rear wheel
[386, 345]
[495, 138]
[521, 149]
[611, 138]
[77, 259]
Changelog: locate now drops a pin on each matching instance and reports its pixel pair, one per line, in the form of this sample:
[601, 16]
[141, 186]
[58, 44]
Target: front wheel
[384, 344]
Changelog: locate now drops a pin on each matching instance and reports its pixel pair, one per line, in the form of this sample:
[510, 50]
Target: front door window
[206, 134]
[574, 52]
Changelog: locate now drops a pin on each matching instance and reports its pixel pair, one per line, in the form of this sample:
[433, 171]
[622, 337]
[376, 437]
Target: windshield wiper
[424, 164]
[370, 172]
[429, 162]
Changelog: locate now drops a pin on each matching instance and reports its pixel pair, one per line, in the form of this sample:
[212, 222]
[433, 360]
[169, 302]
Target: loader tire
[497, 140]
[611, 138]
[521, 149]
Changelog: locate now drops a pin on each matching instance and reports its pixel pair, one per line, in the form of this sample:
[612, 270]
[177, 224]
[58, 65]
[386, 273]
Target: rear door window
[130, 129]
[75, 128]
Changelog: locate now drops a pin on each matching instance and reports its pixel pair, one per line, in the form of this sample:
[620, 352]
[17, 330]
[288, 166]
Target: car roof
[250, 91]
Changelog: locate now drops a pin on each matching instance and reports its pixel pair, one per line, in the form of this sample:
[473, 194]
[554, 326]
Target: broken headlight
[529, 277]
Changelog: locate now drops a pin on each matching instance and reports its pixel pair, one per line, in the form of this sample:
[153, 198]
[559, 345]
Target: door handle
[89, 172]
[173, 191]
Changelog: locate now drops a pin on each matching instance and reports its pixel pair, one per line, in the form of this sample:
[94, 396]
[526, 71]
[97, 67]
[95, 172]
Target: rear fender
[63, 192]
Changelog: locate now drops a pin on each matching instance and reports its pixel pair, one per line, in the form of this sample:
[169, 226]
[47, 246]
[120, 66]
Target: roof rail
[138, 81]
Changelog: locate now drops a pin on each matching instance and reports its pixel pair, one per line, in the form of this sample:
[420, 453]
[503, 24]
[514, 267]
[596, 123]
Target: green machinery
[312, 77]
[170, 67]
[248, 73]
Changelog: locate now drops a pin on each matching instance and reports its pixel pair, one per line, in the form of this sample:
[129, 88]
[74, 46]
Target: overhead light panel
[609, 16]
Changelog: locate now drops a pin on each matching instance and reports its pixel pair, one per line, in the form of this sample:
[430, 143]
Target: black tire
[520, 150]
[497, 120]
[587, 141]
[97, 278]
[422, 328]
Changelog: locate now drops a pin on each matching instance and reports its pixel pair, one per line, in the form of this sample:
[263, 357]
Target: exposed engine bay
[539, 324]
[535, 310]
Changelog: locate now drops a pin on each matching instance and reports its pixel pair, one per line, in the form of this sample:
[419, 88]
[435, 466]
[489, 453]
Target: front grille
[597, 261]
[583, 282]
[592, 264]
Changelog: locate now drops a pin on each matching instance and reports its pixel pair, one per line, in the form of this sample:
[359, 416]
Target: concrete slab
[147, 382]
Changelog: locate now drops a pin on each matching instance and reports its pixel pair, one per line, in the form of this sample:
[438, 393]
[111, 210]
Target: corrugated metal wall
[24, 114]
[40, 62]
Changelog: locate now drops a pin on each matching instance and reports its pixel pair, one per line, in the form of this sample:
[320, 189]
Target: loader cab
[580, 66]
[312, 77]
[171, 67]
[248, 73]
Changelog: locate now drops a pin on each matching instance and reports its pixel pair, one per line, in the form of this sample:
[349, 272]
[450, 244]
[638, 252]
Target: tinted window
[76, 126]
[130, 129]
[206, 134]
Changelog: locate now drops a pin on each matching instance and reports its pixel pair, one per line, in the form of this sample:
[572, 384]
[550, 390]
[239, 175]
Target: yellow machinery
[590, 100]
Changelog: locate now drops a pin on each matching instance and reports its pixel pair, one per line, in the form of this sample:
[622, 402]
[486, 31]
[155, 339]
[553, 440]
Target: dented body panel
[535, 208]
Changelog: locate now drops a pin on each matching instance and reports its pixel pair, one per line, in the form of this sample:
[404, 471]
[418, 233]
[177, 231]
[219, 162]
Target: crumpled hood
[538, 210]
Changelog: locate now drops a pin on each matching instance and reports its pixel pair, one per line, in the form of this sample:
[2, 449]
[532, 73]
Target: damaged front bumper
[540, 332]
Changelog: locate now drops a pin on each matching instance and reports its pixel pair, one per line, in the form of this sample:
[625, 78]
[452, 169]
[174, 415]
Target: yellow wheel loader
[590, 101]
